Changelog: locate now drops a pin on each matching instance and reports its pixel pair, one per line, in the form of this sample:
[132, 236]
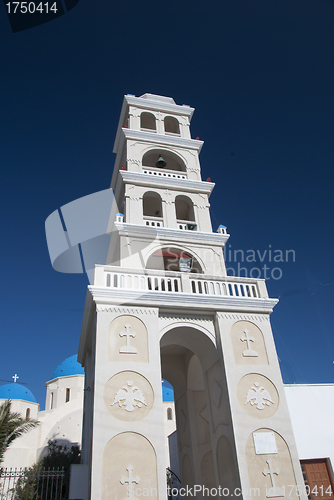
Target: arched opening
[169, 414]
[152, 209]
[51, 401]
[27, 413]
[185, 213]
[173, 162]
[173, 259]
[172, 125]
[147, 121]
[187, 356]
[67, 395]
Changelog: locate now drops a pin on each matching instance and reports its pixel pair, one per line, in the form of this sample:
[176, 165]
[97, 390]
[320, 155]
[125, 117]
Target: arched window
[51, 401]
[152, 209]
[169, 414]
[173, 162]
[147, 121]
[67, 395]
[185, 212]
[171, 125]
[173, 259]
[28, 413]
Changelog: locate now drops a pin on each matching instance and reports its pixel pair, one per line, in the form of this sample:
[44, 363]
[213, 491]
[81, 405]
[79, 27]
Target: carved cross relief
[128, 348]
[249, 353]
[130, 480]
[274, 491]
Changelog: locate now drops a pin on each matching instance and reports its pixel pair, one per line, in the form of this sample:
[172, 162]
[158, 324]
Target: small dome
[167, 391]
[16, 391]
[69, 366]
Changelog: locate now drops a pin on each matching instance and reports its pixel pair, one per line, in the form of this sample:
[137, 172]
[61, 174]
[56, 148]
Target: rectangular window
[67, 395]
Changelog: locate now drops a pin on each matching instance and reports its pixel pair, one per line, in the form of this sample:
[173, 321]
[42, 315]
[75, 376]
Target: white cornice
[117, 296]
[165, 233]
[147, 104]
[166, 107]
[162, 139]
[168, 182]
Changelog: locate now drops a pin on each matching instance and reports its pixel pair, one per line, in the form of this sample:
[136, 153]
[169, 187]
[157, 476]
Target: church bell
[160, 162]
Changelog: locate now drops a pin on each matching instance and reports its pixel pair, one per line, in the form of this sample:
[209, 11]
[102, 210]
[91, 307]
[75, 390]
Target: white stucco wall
[312, 415]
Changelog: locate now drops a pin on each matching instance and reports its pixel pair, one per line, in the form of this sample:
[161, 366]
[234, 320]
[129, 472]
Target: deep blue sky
[260, 74]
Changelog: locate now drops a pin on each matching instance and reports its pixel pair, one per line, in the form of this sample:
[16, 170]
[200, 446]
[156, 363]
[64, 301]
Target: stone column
[128, 449]
[265, 446]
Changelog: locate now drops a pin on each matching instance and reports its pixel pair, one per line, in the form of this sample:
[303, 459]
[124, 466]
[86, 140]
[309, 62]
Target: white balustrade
[164, 173]
[144, 282]
[227, 288]
[153, 221]
[186, 225]
[162, 283]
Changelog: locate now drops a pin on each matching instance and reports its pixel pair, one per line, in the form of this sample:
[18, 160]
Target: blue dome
[16, 391]
[69, 366]
[167, 391]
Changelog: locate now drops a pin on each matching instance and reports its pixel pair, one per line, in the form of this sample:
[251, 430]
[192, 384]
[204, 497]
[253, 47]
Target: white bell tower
[164, 306]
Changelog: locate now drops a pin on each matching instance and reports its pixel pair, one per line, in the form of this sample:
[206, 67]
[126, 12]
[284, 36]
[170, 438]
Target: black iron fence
[173, 485]
[34, 484]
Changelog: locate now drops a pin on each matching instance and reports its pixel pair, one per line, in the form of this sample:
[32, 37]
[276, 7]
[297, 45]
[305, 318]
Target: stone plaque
[264, 443]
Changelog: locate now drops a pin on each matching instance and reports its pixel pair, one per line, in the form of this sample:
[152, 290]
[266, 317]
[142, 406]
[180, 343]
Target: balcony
[155, 288]
[150, 280]
[153, 221]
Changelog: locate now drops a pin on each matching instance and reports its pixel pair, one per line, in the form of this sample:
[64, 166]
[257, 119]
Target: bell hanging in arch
[160, 162]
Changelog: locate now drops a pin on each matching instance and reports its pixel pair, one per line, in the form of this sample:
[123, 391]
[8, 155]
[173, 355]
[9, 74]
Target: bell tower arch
[163, 305]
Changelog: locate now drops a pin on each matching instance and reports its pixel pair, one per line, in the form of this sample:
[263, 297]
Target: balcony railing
[173, 282]
[158, 172]
[145, 282]
[153, 221]
[227, 288]
[186, 225]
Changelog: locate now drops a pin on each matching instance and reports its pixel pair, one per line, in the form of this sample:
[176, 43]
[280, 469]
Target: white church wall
[312, 414]
[64, 426]
[22, 452]
[20, 406]
[59, 386]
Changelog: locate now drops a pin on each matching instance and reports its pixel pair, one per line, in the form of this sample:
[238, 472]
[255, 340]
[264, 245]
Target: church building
[161, 306]
[61, 420]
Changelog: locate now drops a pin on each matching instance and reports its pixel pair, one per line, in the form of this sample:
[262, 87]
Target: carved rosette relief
[248, 344]
[128, 396]
[258, 396]
[270, 466]
[127, 340]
